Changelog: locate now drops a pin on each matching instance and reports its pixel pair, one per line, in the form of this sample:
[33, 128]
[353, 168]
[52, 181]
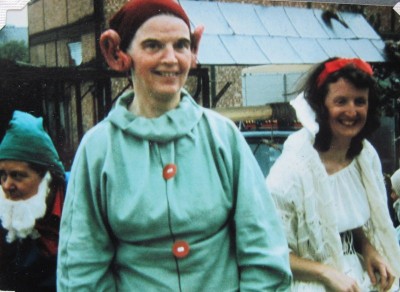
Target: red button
[180, 249]
[169, 171]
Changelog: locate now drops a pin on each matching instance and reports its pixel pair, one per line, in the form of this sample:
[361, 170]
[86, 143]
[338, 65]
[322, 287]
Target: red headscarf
[337, 64]
[135, 12]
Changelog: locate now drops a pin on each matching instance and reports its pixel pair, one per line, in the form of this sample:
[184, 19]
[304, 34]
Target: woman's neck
[335, 158]
[151, 108]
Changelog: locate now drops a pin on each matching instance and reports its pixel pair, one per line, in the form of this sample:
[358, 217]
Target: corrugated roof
[249, 34]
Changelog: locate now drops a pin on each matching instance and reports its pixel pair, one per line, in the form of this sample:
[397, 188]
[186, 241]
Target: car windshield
[266, 146]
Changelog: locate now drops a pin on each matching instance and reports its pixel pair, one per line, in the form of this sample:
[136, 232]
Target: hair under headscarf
[135, 12]
[26, 140]
[339, 63]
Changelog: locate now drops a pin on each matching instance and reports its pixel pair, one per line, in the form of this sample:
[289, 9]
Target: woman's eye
[152, 45]
[361, 101]
[341, 101]
[183, 44]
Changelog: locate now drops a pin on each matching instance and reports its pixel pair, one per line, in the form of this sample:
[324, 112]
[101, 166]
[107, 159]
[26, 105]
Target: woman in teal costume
[165, 195]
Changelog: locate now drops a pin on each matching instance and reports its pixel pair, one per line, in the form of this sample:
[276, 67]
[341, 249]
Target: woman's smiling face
[162, 56]
[348, 108]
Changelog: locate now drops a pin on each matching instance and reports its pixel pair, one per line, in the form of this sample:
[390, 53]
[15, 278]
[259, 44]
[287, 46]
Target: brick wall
[62, 53]
[36, 17]
[45, 15]
[51, 54]
[233, 95]
[48, 14]
[37, 55]
[88, 47]
[111, 7]
[55, 13]
[78, 9]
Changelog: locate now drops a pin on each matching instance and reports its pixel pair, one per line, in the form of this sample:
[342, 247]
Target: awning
[249, 34]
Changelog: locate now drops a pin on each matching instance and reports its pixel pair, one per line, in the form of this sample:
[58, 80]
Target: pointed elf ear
[117, 59]
[196, 37]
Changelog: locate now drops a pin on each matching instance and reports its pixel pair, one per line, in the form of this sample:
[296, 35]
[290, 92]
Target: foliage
[388, 77]
[14, 51]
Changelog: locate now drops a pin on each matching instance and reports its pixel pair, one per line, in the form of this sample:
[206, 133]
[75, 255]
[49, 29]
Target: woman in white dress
[328, 185]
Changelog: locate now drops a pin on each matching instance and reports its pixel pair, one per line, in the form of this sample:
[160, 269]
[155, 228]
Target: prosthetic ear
[196, 37]
[114, 56]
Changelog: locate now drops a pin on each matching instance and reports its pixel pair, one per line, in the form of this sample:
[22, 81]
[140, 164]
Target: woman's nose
[351, 110]
[169, 55]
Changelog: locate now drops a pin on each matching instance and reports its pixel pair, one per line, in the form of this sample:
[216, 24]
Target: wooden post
[246, 112]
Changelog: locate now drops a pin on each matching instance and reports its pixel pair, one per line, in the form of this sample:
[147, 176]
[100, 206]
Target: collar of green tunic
[170, 126]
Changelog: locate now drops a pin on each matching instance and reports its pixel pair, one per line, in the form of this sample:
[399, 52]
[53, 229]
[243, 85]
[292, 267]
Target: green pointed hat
[26, 140]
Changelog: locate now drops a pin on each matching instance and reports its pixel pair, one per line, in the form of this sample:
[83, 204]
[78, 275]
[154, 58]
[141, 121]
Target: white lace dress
[352, 212]
[309, 201]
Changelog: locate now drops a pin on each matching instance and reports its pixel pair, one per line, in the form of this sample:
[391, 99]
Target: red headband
[337, 64]
[135, 12]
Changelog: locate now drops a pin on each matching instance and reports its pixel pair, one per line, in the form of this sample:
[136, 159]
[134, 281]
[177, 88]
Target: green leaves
[14, 51]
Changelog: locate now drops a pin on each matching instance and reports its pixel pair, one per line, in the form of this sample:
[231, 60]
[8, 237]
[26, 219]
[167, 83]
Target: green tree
[14, 51]
[388, 77]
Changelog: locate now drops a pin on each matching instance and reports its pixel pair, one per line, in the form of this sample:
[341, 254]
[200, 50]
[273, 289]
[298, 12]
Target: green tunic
[122, 217]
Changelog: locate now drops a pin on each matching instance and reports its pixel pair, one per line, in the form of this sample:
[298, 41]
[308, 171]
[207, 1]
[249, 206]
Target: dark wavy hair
[316, 95]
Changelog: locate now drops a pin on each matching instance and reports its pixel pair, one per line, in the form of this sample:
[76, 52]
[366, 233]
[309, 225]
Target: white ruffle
[305, 114]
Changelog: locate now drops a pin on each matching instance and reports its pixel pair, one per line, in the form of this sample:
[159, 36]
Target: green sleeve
[262, 249]
[85, 248]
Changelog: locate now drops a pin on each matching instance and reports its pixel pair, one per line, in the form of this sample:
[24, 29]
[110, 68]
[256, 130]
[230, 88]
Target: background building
[74, 89]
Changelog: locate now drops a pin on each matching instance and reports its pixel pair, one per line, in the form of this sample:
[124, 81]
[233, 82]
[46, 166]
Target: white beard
[19, 217]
